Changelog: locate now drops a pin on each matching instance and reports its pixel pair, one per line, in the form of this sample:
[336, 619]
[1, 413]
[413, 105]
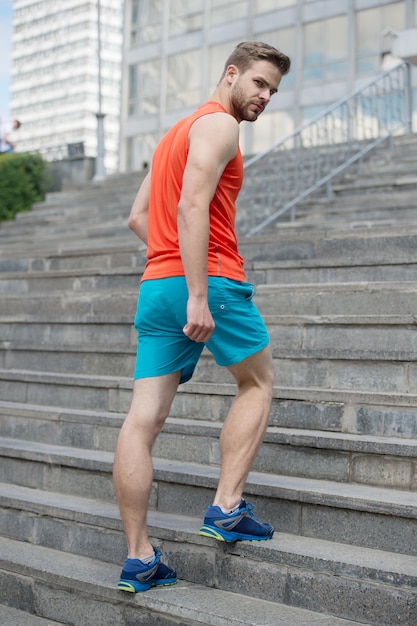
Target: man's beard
[241, 105]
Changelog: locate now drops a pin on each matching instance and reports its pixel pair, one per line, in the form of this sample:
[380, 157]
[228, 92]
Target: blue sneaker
[137, 576]
[242, 525]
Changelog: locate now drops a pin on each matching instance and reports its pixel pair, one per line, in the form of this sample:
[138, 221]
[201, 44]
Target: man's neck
[221, 95]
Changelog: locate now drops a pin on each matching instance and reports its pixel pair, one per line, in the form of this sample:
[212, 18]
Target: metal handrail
[62, 151]
[279, 178]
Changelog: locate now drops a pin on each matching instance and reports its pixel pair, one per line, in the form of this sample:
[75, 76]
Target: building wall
[174, 53]
[54, 90]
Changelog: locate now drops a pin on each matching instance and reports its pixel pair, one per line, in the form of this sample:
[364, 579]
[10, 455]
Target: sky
[6, 12]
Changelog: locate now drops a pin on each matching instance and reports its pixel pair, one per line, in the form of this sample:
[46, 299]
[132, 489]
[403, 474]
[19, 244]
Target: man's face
[252, 90]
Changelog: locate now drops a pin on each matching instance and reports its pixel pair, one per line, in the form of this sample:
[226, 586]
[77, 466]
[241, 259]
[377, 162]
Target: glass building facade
[55, 74]
[174, 53]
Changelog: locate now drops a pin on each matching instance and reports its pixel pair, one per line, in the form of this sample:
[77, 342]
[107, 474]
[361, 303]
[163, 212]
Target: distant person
[194, 293]
[6, 129]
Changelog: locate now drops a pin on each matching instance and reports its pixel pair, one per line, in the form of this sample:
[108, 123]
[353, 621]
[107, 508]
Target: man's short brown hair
[247, 52]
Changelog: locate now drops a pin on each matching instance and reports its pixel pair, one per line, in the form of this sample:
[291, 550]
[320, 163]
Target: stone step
[337, 337]
[380, 203]
[322, 361]
[362, 218]
[343, 337]
[300, 299]
[303, 369]
[404, 180]
[68, 307]
[311, 222]
[289, 420]
[67, 226]
[395, 163]
[10, 616]
[292, 451]
[294, 261]
[260, 196]
[86, 202]
[83, 526]
[104, 359]
[58, 218]
[110, 203]
[362, 515]
[285, 268]
[60, 585]
[82, 281]
[357, 299]
[353, 247]
[96, 429]
[349, 247]
[354, 217]
[285, 272]
[86, 220]
[349, 410]
[98, 254]
[293, 568]
[330, 271]
[66, 334]
[69, 235]
[310, 299]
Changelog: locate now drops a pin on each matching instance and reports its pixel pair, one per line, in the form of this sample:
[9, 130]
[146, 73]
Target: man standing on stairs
[193, 294]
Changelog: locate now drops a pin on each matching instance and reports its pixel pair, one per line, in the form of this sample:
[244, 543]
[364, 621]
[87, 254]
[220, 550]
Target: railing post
[408, 100]
[329, 190]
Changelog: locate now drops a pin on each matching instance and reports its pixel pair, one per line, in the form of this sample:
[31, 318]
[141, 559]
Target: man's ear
[231, 73]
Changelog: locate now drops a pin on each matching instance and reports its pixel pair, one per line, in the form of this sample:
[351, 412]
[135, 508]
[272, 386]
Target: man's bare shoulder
[218, 121]
[216, 133]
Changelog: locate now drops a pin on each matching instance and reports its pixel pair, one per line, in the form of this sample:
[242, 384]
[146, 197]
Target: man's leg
[245, 425]
[241, 437]
[132, 471]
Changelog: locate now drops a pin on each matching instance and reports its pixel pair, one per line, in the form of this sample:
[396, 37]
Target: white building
[175, 51]
[55, 74]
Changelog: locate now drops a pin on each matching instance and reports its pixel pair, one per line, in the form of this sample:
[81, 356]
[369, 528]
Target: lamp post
[100, 170]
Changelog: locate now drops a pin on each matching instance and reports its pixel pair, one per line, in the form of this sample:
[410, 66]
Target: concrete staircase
[336, 474]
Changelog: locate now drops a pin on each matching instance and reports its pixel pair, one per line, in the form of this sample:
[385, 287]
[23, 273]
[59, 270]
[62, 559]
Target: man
[193, 293]
[6, 143]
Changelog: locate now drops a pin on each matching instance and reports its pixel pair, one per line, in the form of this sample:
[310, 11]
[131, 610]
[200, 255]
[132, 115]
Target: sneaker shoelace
[249, 511]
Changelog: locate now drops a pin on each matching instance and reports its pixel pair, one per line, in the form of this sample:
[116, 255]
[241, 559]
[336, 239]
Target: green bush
[22, 183]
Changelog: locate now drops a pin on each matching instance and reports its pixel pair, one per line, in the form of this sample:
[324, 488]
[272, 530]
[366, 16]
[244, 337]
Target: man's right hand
[200, 324]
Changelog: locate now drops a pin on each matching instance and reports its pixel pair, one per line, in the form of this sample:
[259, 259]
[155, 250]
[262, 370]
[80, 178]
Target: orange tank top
[168, 164]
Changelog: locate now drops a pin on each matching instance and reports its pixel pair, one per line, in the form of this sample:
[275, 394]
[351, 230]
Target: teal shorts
[161, 315]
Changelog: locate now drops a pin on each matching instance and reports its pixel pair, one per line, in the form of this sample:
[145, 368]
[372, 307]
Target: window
[283, 40]
[270, 128]
[310, 112]
[183, 80]
[146, 21]
[185, 16]
[371, 42]
[263, 6]
[218, 56]
[139, 151]
[144, 88]
[223, 11]
[325, 49]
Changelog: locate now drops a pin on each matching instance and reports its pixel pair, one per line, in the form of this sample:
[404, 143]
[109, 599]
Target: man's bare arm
[213, 142]
[138, 218]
